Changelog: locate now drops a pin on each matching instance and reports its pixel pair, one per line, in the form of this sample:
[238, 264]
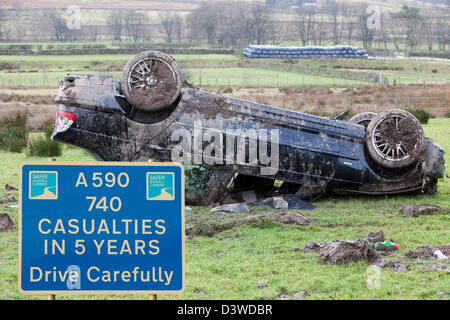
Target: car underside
[151, 114]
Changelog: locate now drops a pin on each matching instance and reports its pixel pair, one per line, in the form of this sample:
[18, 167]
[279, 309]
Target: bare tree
[348, 16]
[276, 30]
[234, 24]
[3, 22]
[318, 30]
[429, 32]
[92, 32]
[167, 25]
[333, 9]
[442, 31]
[366, 33]
[304, 21]
[135, 24]
[12, 24]
[178, 25]
[61, 32]
[202, 22]
[258, 17]
[115, 23]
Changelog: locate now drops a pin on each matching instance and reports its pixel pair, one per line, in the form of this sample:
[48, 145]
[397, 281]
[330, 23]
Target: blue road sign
[101, 227]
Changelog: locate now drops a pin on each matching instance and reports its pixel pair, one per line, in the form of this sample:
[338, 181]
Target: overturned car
[153, 114]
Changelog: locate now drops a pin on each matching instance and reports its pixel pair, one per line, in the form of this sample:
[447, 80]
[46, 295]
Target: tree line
[225, 23]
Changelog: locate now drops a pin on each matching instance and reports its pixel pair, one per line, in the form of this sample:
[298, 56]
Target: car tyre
[395, 139]
[151, 81]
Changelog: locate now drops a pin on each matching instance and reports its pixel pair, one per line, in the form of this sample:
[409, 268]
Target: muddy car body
[310, 154]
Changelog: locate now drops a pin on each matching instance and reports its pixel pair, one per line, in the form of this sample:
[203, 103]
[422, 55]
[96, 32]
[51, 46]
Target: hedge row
[104, 50]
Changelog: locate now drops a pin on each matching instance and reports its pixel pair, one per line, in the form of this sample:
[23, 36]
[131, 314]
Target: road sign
[101, 227]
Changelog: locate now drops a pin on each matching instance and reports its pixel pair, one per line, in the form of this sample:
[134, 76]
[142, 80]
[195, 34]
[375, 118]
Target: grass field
[214, 69]
[217, 69]
[230, 264]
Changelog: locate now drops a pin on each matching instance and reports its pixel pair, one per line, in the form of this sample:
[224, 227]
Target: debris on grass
[291, 218]
[10, 188]
[8, 198]
[210, 227]
[426, 251]
[438, 266]
[311, 247]
[414, 211]
[299, 295]
[6, 224]
[260, 285]
[233, 207]
[397, 266]
[285, 202]
[274, 202]
[296, 203]
[375, 237]
[296, 295]
[346, 251]
[386, 246]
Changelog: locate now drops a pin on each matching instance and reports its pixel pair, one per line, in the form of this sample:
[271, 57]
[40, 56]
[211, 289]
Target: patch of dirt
[38, 113]
[346, 251]
[335, 99]
[291, 218]
[414, 211]
[33, 99]
[397, 266]
[8, 66]
[311, 247]
[8, 198]
[6, 224]
[260, 285]
[426, 251]
[210, 227]
[438, 266]
[10, 188]
[377, 236]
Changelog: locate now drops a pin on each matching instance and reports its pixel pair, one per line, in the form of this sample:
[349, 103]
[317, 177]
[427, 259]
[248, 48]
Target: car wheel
[395, 138]
[151, 81]
[363, 118]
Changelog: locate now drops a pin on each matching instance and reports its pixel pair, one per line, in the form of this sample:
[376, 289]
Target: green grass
[215, 69]
[259, 76]
[230, 264]
[78, 62]
[200, 76]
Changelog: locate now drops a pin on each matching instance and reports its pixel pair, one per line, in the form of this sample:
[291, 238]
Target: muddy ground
[336, 99]
[41, 108]
[6, 224]
[209, 226]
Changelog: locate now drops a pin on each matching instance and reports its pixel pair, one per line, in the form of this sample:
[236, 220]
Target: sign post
[101, 227]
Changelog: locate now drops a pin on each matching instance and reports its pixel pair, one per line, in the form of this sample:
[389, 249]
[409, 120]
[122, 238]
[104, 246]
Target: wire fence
[219, 77]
